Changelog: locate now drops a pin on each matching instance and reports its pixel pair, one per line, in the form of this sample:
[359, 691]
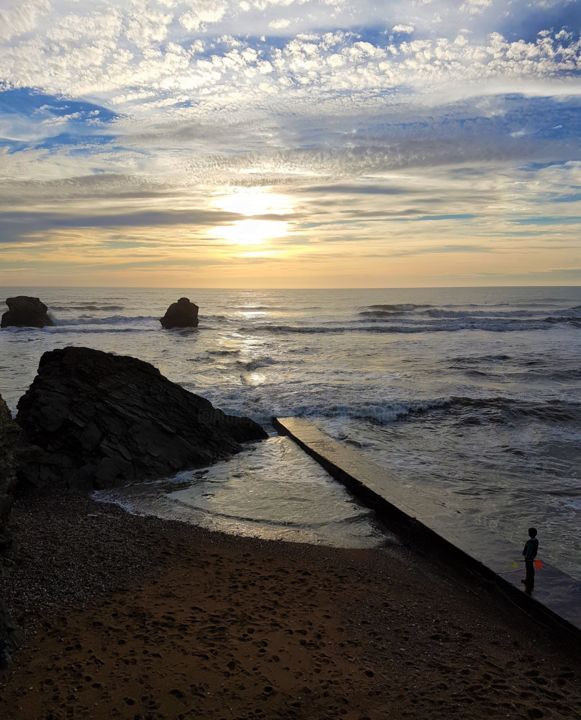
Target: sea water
[472, 394]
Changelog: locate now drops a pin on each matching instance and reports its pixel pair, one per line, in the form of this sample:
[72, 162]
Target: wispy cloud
[418, 128]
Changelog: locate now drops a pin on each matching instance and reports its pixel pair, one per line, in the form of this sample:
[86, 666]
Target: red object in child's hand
[538, 564]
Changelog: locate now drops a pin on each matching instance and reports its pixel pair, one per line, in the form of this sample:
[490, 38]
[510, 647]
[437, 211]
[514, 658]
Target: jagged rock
[8, 445]
[182, 313]
[99, 420]
[24, 311]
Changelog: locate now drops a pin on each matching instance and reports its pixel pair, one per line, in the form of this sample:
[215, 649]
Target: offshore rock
[24, 311]
[8, 445]
[100, 420]
[180, 314]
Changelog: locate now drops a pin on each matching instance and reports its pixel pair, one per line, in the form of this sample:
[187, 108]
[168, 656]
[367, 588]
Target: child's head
[532, 532]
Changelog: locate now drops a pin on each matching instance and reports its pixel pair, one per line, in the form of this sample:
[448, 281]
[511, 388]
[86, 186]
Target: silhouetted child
[530, 553]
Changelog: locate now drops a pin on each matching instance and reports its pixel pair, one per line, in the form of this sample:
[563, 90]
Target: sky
[290, 143]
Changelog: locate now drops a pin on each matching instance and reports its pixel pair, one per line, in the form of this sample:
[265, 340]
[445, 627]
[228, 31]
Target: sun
[251, 232]
[253, 203]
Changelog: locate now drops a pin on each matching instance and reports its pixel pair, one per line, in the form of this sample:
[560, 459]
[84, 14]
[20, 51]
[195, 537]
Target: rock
[8, 445]
[24, 311]
[99, 420]
[182, 313]
[8, 459]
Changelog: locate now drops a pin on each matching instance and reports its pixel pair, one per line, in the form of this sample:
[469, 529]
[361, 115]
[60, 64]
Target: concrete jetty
[431, 523]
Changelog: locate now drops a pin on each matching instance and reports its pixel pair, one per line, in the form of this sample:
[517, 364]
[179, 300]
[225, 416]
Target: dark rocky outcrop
[24, 311]
[100, 420]
[180, 314]
[8, 444]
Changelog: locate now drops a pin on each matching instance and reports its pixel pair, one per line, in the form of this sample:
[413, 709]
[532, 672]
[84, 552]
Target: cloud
[443, 249]
[33, 226]
[403, 29]
[205, 12]
[444, 217]
[356, 189]
[475, 7]
[441, 122]
[18, 18]
[156, 51]
[555, 275]
[279, 24]
[550, 220]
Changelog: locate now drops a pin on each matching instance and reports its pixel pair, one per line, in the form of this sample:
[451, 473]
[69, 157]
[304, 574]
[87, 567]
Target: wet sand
[138, 618]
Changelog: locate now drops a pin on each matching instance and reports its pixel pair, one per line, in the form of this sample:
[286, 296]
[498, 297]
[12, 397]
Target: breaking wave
[471, 410]
[502, 408]
[420, 326]
[468, 315]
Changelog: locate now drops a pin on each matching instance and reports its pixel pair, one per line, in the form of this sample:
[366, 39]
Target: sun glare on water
[252, 202]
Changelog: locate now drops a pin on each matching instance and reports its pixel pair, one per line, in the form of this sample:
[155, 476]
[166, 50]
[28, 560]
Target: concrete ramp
[429, 522]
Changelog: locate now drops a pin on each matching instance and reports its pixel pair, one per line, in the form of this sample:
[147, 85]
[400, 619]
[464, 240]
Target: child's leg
[530, 577]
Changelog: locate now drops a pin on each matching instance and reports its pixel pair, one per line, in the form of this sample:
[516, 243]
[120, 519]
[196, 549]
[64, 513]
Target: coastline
[131, 616]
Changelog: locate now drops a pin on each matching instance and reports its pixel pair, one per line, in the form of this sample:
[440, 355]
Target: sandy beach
[132, 617]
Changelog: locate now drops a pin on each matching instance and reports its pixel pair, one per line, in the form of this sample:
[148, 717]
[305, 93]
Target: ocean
[472, 395]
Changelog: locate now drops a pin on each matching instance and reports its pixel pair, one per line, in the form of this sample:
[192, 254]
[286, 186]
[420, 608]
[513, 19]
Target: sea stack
[181, 314]
[24, 311]
[100, 420]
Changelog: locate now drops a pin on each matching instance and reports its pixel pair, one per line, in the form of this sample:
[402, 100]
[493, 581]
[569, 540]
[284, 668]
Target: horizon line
[263, 289]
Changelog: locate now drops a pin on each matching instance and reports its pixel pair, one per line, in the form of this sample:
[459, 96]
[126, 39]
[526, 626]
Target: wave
[576, 321]
[565, 374]
[86, 306]
[568, 313]
[190, 504]
[393, 308]
[500, 409]
[75, 329]
[439, 313]
[477, 359]
[111, 320]
[257, 363]
[223, 353]
[553, 302]
[419, 326]
[466, 410]
[379, 313]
